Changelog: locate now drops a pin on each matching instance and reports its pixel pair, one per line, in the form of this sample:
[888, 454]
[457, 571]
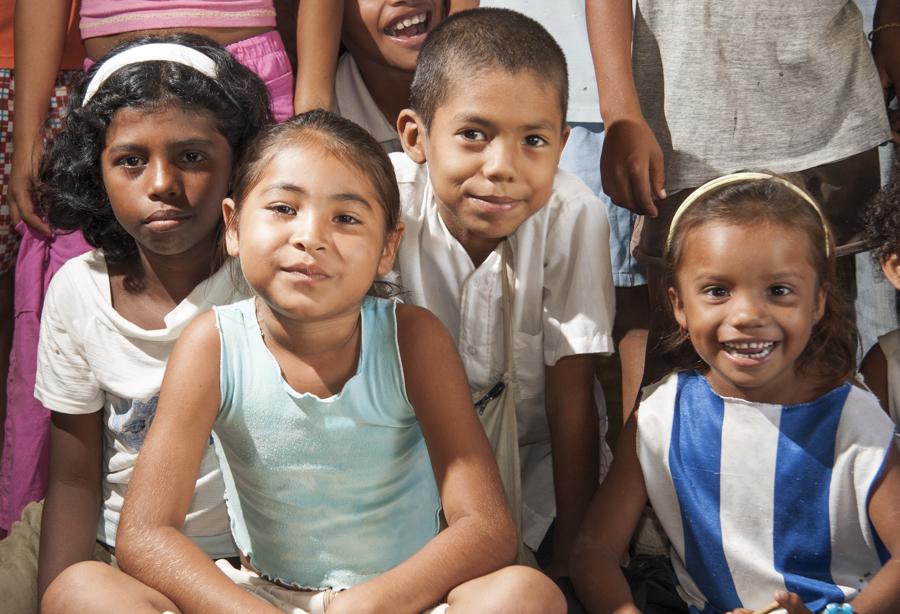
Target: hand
[21, 203]
[886, 53]
[631, 166]
[351, 601]
[789, 601]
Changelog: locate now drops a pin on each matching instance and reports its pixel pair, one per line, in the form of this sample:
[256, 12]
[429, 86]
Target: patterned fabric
[23, 466]
[9, 239]
[724, 474]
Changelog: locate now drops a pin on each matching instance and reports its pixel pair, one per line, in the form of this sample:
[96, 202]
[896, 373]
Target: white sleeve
[64, 381]
[579, 300]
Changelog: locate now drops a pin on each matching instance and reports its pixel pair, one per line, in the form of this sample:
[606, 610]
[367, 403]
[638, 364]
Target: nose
[165, 182]
[748, 311]
[500, 160]
[309, 231]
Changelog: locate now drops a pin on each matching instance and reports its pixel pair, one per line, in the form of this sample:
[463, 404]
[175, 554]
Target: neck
[175, 276]
[478, 248]
[389, 87]
[309, 340]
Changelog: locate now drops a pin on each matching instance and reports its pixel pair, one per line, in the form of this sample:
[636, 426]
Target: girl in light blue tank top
[342, 420]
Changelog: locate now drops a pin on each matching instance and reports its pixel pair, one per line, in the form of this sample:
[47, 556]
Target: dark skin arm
[631, 163]
[574, 439]
[610, 521]
[72, 505]
[886, 53]
[874, 370]
[40, 34]
[150, 545]
[318, 41]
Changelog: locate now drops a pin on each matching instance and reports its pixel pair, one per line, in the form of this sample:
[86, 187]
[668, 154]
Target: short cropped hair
[473, 41]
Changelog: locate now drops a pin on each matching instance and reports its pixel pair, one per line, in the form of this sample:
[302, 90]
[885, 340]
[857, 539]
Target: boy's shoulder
[407, 170]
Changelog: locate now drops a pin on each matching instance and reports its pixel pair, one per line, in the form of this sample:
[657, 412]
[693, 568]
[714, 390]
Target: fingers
[632, 166]
[791, 602]
[641, 189]
[21, 208]
[36, 223]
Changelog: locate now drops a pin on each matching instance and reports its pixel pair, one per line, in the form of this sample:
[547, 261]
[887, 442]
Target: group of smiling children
[318, 446]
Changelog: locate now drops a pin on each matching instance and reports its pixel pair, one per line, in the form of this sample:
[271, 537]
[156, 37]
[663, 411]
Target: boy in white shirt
[483, 138]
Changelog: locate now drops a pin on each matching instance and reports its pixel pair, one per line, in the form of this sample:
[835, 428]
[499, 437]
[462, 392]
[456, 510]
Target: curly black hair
[882, 219]
[70, 188]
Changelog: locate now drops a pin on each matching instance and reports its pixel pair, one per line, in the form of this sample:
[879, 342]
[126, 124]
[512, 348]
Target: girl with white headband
[773, 473]
[141, 169]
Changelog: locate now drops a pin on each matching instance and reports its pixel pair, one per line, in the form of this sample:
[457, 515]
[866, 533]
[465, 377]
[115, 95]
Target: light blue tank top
[322, 492]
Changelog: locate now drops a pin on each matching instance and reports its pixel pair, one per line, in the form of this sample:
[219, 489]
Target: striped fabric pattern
[757, 498]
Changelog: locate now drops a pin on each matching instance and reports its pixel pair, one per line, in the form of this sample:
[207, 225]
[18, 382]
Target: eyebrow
[285, 186]
[470, 118]
[129, 146]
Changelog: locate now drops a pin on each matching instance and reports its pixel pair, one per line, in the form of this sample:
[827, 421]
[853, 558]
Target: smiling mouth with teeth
[750, 349]
[409, 27]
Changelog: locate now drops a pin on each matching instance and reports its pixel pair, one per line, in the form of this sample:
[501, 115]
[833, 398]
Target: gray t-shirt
[728, 85]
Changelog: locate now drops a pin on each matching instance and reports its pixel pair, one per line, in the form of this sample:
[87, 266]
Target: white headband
[151, 52]
[715, 184]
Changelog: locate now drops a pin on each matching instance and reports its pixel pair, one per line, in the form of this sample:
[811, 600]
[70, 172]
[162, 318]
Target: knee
[75, 583]
[523, 590]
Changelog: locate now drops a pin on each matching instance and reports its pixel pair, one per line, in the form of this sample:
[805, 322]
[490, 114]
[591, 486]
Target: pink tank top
[106, 17]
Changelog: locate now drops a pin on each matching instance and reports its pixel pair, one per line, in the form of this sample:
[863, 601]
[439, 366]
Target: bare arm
[608, 526]
[574, 439]
[882, 595]
[150, 544]
[40, 34]
[886, 53]
[631, 163]
[463, 5]
[874, 370]
[318, 41]
[72, 504]
[481, 537]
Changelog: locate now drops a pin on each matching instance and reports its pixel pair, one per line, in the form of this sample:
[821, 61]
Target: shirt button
[471, 350]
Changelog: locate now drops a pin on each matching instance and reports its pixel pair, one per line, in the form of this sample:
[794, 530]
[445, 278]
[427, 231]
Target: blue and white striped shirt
[757, 498]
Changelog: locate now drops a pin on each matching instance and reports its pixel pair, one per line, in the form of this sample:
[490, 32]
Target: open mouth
[408, 27]
[754, 350]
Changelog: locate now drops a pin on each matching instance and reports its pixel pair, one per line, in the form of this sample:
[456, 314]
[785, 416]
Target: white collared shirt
[353, 101]
[563, 304]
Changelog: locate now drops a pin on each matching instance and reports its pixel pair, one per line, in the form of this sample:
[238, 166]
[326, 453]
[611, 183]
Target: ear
[412, 135]
[821, 299]
[891, 268]
[389, 253]
[678, 308]
[567, 130]
[229, 212]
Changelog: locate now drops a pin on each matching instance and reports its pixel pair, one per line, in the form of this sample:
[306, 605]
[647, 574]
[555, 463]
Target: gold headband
[726, 180]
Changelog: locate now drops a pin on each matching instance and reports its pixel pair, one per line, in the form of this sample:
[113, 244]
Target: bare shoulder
[875, 372]
[201, 332]
[419, 330]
